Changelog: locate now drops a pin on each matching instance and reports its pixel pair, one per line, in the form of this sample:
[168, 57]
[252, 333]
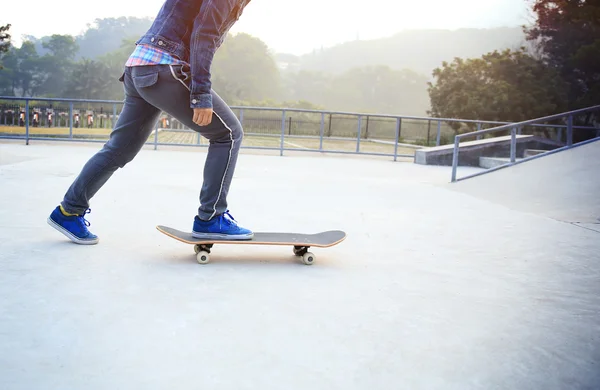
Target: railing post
[398, 121]
[358, 133]
[26, 121]
[478, 128]
[513, 145]
[321, 131]
[455, 157]
[282, 132]
[570, 130]
[114, 121]
[70, 120]
[428, 131]
[439, 133]
[156, 136]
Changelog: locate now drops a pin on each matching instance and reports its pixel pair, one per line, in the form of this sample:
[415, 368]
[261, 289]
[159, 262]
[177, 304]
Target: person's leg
[225, 135]
[132, 130]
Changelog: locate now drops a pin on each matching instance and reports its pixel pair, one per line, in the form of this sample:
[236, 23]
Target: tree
[88, 80]
[8, 75]
[27, 70]
[62, 46]
[243, 69]
[4, 41]
[114, 63]
[567, 33]
[56, 66]
[506, 86]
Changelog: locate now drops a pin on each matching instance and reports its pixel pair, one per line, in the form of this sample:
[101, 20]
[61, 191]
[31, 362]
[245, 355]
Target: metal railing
[514, 129]
[268, 128]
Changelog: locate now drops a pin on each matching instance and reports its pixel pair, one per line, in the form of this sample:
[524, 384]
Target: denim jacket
[193, 30]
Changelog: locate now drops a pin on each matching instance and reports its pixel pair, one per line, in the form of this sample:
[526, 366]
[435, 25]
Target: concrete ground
[436, 287]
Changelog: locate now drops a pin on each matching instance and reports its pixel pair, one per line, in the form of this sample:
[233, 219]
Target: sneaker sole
[218, 236]
[70, 235]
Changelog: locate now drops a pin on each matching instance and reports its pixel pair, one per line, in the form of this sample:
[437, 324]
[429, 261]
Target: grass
[43, 131]
[191, 138]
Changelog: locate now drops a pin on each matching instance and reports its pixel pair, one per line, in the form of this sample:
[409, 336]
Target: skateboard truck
[307, 257]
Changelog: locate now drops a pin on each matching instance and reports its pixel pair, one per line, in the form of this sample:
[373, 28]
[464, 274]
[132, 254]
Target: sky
[295, 27]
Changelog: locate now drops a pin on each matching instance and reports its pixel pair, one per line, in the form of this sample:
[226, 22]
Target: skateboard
[300, 242]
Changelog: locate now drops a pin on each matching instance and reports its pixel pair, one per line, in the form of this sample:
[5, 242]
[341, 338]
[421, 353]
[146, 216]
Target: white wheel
[308, 258]
[203, 257]
[197, 248]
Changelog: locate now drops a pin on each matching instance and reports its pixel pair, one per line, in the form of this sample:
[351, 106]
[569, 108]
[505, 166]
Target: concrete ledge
[533, 152]
[471, 151]
[493, 162]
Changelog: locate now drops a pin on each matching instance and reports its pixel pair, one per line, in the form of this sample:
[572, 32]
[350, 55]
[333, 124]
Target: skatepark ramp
[526, 153]
[563, 186]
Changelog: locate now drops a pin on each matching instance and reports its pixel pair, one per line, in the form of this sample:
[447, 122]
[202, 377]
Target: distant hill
[102, 37]
[417, 50]
[106, 35]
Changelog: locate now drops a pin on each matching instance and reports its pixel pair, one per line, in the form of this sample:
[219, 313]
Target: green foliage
[27, 76]
[567, 33]
[112, 67]
[88, 80]
[62, 47]
[500, 86]
[4, 40]
[243, 69]
[56, 65]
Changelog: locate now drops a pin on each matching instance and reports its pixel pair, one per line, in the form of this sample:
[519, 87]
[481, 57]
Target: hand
[202, 116]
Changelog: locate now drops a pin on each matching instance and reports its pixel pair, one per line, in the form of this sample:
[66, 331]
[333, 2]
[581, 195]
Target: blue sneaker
[223, 226]
[74, 227]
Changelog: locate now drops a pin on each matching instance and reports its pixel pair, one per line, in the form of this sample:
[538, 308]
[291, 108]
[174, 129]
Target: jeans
[148, 91]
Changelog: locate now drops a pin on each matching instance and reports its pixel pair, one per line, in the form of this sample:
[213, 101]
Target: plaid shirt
[146, 55]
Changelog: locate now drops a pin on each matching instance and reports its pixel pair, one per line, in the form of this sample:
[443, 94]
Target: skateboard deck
[300, 241]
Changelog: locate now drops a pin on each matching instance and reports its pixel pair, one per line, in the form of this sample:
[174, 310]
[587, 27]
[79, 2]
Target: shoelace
[82, 217]
[227, 214]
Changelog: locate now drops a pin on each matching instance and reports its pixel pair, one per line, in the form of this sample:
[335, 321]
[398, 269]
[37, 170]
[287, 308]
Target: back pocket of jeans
[146, 80]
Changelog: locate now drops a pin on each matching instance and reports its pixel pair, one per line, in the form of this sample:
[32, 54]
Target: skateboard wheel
[308, 258]
[197, 248]
[203, 257]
